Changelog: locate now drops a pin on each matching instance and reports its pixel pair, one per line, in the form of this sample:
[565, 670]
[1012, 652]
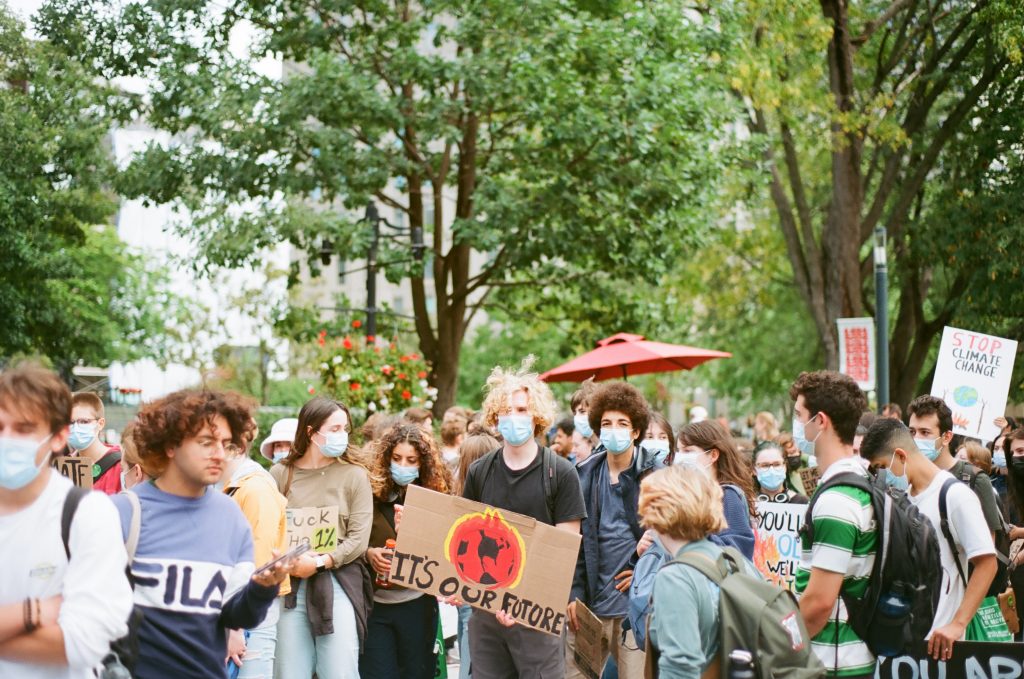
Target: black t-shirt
[491, 482]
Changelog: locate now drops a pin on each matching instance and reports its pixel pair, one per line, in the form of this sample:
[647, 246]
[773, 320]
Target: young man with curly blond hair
[524, 478]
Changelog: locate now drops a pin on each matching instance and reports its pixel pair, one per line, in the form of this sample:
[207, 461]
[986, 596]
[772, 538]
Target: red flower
[357, 323]
[347, 343]
[321, 338]
[406, 394]
[421, 374]
[414, 356]
[387, 370]
[310, 389]
[370, 339]
[392, 345]
[404, 359]
[354, 386]
[401, 376]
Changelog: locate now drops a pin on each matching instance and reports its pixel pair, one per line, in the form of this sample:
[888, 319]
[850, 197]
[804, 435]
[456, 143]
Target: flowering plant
[369, 377]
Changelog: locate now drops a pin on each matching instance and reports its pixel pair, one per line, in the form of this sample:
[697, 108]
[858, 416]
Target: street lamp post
[881, 319]
[373, 218]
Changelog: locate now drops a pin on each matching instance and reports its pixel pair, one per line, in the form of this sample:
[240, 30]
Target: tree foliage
[533, 143]
[68, 288]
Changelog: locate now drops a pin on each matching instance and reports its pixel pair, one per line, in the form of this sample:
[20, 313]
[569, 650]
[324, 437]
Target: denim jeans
[331, 656]
[465, 610]
[258, 662]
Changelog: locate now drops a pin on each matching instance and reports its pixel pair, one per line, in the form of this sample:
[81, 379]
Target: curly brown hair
[731, 466]
[623, 397]
[834, 394]
[434, 473]
[165, 423]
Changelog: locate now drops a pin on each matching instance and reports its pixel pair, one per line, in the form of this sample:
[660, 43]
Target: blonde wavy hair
[682, 502]
[503, 383]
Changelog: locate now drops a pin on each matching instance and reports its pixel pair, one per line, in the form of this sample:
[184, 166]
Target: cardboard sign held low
[316, 525]
[488, 558]
[78, 469]
[591, 644]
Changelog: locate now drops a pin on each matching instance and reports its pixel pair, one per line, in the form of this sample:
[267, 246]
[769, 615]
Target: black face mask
[793, 463]
[1018, 463]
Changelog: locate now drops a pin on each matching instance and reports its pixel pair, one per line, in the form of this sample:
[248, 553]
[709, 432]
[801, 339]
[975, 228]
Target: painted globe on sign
[485, 550]
[965, 396]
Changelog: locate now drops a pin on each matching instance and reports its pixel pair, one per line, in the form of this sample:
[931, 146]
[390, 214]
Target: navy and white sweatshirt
[192, 575]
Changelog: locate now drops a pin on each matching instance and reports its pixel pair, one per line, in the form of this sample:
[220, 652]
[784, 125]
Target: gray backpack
[758, 617]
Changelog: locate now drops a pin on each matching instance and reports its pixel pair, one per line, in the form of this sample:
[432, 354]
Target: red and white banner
[857, 350]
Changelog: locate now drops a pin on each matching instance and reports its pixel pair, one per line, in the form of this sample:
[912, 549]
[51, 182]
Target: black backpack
[897, 610]
[124, 652]
[548, 472]
[969, 476]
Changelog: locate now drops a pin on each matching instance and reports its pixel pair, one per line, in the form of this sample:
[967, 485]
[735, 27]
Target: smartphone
[297, 551]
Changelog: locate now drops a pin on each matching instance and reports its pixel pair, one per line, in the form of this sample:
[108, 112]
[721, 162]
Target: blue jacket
[584, 582]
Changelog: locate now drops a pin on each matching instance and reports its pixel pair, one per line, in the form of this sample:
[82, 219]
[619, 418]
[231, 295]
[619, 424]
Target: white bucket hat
[283, 430]
[697, 414]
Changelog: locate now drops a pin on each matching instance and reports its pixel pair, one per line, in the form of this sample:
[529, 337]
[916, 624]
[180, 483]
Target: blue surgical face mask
[927, 446]
[81, 436]
[403, 476]
[806, 447]
[897, 482]
[280, 456]
[582, 424]
[516, 429]
[659, 447]
[335, 444]
[771, 478]
[617, 441]
[999, 459]
[692, 459]
[18, 466]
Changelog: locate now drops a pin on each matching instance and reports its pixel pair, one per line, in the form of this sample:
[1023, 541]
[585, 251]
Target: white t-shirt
[970, 533]
[97, 596]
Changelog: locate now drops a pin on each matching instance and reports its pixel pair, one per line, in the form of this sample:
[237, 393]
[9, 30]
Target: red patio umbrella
[622, 355]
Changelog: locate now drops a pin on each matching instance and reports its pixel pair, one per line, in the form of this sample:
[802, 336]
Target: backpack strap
[844, 479]
[131, 544]
[71, 501]
[550, 480]
[944, 524]
[288, 481]
[106, 462]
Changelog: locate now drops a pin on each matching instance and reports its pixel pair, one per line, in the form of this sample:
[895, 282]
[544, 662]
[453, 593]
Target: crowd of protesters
[163, 578]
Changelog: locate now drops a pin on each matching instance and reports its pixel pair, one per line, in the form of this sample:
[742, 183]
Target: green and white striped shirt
[845, 539]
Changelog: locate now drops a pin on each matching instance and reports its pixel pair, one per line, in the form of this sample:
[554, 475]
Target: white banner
[973, 377]
[857, 350]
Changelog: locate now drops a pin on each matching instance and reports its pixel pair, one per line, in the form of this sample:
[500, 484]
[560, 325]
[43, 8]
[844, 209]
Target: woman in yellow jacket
[255, 491]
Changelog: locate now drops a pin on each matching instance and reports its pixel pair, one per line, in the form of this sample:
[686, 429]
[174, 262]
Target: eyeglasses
[85, 421]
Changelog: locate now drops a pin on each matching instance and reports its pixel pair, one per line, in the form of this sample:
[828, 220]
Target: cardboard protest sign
[78, 469]
[489, 558]
[810, 477]
[857, 350]
[970, 660]
[316, 525]
[777, 552]
[591, 644]
[972, 376]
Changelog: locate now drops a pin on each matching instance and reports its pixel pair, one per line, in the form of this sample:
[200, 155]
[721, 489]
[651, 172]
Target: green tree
[69, 289]
[859, 111]
[532, 144]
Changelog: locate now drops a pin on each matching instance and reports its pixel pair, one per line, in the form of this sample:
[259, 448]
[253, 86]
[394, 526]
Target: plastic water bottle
[741, 664]
[384, 581]
[892, 610]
